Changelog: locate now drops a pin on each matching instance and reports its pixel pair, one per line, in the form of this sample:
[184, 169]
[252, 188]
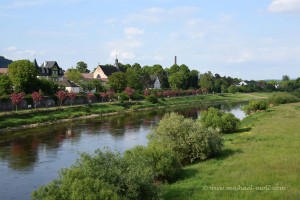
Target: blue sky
[249, 39]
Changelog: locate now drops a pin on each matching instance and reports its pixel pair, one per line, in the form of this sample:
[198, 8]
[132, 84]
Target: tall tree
[73, 75]
[206, 81]
[193, 79]
[118, 81]
[133, 79]
[23, 76]
[176, 80]
[82, 67]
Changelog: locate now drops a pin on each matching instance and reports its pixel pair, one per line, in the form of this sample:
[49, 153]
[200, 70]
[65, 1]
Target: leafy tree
[23, 75]
[207, 81]
[48, 87]
[17, 98]
[36, 97]
[173, 69]
[87, 86]
[110, 94]
[193, 79]
[176, 80]
[285, 78]
[82, 67]
[61, 95]
[232, 89]
[98, 86]
[133, 79]
[73, 75]
[5, 85]
[118, 81]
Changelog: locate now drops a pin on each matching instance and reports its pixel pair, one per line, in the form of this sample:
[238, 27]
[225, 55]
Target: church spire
[117, 61]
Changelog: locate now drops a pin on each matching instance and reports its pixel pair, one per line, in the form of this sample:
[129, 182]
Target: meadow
[260, 161]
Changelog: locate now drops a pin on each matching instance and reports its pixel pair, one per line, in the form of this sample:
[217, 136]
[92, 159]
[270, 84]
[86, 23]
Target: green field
[262, 161]
[43, 115]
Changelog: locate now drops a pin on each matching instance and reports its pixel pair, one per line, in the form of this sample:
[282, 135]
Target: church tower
[117, 62]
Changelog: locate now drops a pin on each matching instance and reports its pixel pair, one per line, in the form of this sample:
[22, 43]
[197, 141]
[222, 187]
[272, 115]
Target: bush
[214, 118]
[152, 99]
[255, 105]
[107, 174]
[297, 93]
[73, 184]
[163, 162]
[187, 139]
[282, 98]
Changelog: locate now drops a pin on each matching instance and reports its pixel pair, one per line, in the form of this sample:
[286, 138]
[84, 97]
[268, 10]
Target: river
[35, 157]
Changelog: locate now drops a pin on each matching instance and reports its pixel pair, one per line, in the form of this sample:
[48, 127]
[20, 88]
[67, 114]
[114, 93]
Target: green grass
[25, 117]
[262, 156]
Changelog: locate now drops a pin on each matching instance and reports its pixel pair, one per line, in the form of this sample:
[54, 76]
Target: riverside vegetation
[43, 115]
[177, 142]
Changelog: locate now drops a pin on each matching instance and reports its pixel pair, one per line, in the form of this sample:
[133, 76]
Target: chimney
[175, 60]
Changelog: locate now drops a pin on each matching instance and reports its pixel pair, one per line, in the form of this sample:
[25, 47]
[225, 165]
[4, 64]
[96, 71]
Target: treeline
[4, 62]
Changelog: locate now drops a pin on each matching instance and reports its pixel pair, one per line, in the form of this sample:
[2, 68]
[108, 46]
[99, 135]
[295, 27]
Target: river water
[35, 157]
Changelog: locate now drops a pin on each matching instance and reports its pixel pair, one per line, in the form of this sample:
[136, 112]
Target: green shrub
[73, 184]
[163, 162]
[152, 99]
[232, 89]
[255, 105]
[106, 173]
[282, 98]
[214, 118]
[297, 93]
[186, 138]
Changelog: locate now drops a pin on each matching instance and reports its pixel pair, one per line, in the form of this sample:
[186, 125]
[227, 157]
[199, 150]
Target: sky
[248, 39]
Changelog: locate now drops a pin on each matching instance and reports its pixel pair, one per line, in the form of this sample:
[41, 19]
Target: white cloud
[284, 6]
[133, 32]
[12, 48]
[122, 55]
[243, 57]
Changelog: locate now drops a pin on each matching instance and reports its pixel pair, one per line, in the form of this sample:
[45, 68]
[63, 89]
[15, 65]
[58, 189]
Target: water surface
[35, 157]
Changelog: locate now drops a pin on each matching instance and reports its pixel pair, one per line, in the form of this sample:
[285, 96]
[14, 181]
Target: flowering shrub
[61, 95]
[36, 97]
[17, 98]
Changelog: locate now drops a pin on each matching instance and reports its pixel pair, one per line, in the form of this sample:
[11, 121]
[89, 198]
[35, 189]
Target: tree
[129, 91]
[5, 85]
[193, 79]
[36, 97]
[82, 67]
[23, 75]
[207, 81]
[17, 98]
[72, 96]
[73, 75]
[97, 85]
[285, 78]
[61, 95]
[118, 81]
[47, 87]
[176, 80]
[133, 79]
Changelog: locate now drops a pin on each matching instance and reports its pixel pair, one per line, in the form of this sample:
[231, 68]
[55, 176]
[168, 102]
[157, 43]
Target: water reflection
[35, 157]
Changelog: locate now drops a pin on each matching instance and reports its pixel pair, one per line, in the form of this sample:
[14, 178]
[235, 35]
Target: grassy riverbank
[260, 162]
[23, 118]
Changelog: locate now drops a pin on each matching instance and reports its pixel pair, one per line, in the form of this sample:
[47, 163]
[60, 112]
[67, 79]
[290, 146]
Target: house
[102, 72]
[249, 83]
[70, 86]
[49, 70]
[154, 82]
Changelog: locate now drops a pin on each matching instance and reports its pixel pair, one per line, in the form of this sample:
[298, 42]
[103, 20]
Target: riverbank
[262, 161]
[24, 119]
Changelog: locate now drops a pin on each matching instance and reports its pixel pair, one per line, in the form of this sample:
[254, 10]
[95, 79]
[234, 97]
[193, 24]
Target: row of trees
[23, 78]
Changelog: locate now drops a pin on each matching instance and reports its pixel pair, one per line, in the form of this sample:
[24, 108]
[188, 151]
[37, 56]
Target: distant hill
[4, 62]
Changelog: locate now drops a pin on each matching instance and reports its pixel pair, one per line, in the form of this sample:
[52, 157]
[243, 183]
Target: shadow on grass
[227, 153]
[246, 129]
